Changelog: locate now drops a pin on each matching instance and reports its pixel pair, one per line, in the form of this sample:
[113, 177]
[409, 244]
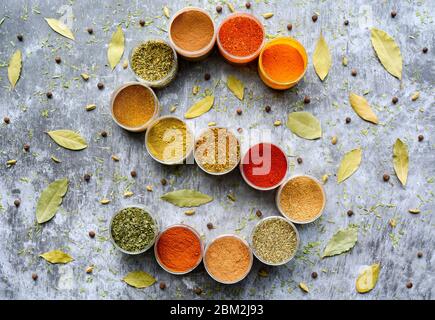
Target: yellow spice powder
[169, 140]
[301, 199]
[134, 106]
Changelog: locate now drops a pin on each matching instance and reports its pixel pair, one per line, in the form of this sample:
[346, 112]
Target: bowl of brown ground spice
[228, 259]
[134, 106]
[192, 32]
[301, 199]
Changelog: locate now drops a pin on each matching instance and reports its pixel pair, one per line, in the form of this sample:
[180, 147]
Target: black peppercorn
[425, 49]
[420, 138]
[409, 284]
[198, 291]
[100, 85]
[92, 234]
[393, 14]
[207, 76]
[58, 60]
[17, 202]
[395, 100]
[164, 182]
[49, 95]
[307, 99]
[346, 22]
[420, 254]
[259, 213]
[314, 18]
[314, 275]
[353, 73]
[239, 111]
[162, 285]
[26, 147]
[104, 134]
[349, 213]
[20, 37]
[90, 30]
[267, 109]
[348, 120]
[133, 174]
[87, 177]
[289, 27]
[219, 9]
[210, 225]
[142, 22]
[248, 5]
[6, 120]
[386, 177]
[299, 160]
[34, 276]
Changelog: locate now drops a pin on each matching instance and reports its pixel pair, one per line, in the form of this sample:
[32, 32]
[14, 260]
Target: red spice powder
[264, 165]
[241, 36]
[179, 249]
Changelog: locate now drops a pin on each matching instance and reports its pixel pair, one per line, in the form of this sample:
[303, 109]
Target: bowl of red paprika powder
[240, 38]
[264, 166]
[179, 249]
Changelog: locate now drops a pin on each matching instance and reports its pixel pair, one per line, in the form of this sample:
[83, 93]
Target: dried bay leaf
[60, 28]
[14, 68]
[368, 278]
[305, 125]
[57, 256]
[236, 86]
[116, 48]
[68, 139]
[50, 200]
[349, 164]
[387, 51]
[139, 279]
[322, 59]
[362, 108]
[199, 108]
[186, 198]
[342, 241]
[401, 160]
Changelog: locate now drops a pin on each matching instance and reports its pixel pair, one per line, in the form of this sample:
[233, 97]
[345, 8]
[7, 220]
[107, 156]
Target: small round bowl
[278, 195]
[252, 241]
[253, 185]
[238, 60]
[161, 83]
[188, 152]
[156, 224]
[156, 254]
[198, 54]
[265, 77]
[145, 125]
[251, 258]
[210, 172]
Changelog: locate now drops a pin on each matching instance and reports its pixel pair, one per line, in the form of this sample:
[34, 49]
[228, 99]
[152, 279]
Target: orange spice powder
[134, 106]
[283, 63]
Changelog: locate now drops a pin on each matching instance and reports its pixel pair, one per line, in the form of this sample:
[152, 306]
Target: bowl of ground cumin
[301, 199]
[192, 33]
[217, 151]
[228, 259]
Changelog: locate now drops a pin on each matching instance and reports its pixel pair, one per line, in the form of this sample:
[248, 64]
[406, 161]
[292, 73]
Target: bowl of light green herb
[133, 230]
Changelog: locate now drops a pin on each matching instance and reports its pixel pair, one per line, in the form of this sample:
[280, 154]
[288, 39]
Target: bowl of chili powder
[264, 166]
[240, 38]
[179, 249]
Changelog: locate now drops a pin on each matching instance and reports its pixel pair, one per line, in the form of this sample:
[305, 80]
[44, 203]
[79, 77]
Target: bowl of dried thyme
[154, 62]
[133, 229]
[274, 241]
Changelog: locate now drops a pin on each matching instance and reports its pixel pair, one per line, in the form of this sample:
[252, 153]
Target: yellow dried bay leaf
[304, 124]
[14, 68]
[236, 86]
[368, 278]
[199, 108]
[349, 164]
[56, 256]
[322, 59]
[116, 48]
[50, 200]
[68, 139]
[401, 160]
[60, 28]
[186, 198]
[387, 51]
[362, 108]
[139, 279]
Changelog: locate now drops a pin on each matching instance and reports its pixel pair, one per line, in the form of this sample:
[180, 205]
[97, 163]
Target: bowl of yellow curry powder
[169, 140]
[301, 199]
[134, 106]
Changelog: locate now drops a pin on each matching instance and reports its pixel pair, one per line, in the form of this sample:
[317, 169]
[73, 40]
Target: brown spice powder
[134, 106]
[228, 259]
[301, 199]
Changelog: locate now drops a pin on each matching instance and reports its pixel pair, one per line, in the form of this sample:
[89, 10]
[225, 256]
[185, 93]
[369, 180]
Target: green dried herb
[133, 229]
[152, 60]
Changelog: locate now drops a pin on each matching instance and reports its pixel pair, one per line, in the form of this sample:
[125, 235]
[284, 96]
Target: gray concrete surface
[373, 201]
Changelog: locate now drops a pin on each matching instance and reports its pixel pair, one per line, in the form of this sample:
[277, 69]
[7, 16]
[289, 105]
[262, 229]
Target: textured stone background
[373, 201]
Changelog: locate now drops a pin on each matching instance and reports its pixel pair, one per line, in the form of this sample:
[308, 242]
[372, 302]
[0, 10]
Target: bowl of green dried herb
[154, 62]
[133, 229]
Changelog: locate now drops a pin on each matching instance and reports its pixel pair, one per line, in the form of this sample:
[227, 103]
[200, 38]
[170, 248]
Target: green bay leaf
[60, 28]
[368, 278]
[349, 164]
[305, 125]
[14, 68]
[116, 48]
[57, 256]
[68, 139]
[50, 200]
[387, 51]
[341, 242]
[199, 108]
[401, 160]
[139, 279]
[322, 59]
[236, 86]
[186, 198]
